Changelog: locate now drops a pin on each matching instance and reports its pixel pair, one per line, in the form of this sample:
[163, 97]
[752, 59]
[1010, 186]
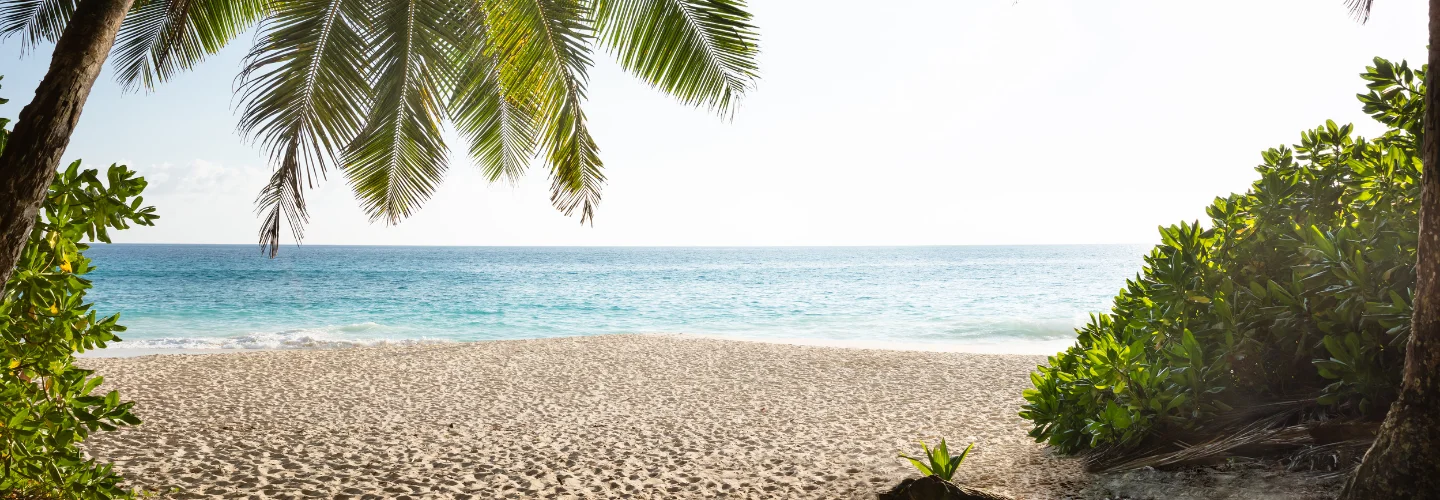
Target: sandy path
[587, 417]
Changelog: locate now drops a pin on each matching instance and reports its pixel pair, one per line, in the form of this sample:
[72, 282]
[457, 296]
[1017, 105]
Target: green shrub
[1299, 288]
[938, 461]
[46, 403]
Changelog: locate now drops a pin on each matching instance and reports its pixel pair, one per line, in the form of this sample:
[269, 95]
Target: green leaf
[940, 459]
[545, 46]
[36, 21]
[703, 52]
[303, 93]
[920, 466]
[160, 38]
[18, 418]
[399, 156]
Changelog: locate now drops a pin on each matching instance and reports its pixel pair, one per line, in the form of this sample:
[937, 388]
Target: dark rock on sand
[934, 488]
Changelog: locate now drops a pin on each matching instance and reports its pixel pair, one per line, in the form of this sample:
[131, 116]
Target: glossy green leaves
[1300, 286]
[47, 404]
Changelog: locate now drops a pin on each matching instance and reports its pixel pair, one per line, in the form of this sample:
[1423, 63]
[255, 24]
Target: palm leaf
[499, 123]
[37, 21]
[162, 37]
[543, 46]
[700, 51]
[282, 195]
[920, 466]
[940, 459]
[1360, 9]
[961, 459]
[399, 157]
[303, 91]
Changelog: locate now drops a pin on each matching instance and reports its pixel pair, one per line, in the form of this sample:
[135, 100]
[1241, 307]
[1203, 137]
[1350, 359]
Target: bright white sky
[919, 122]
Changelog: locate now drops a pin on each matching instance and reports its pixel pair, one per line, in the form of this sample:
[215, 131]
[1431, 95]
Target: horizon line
[645, 246]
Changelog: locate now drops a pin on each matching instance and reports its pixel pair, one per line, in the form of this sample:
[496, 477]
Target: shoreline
[1016, 347]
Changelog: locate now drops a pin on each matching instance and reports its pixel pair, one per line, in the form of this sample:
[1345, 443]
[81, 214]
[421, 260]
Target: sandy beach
[589, 417]
[625, 416]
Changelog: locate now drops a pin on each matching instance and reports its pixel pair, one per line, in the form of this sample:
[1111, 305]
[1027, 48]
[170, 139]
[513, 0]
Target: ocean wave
[1035, 329]
[366, 334]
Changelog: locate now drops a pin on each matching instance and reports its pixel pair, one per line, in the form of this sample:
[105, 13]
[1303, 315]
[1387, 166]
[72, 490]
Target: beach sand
[622, 416]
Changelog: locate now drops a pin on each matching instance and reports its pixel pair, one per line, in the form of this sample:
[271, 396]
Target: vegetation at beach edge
[47, 404]
[1299, 290]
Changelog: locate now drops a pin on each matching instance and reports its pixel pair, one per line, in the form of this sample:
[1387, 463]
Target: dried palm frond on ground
[1291, 432]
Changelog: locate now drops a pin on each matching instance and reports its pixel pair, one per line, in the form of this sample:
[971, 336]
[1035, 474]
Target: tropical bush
[47, 405]
[1298, 289]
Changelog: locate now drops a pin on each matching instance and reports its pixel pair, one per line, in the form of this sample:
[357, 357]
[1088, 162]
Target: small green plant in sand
[938, 461]
[46, 402]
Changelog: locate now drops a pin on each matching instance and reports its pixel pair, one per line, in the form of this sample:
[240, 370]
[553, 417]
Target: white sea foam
[1027, 346]
[328, 337]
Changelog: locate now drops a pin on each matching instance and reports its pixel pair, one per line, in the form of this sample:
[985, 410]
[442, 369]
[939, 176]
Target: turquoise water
[1018, 299]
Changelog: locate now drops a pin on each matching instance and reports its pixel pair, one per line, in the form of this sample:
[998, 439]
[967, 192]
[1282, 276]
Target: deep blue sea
[989, 298]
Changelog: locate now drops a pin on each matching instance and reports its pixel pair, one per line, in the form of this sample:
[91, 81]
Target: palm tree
[366, 86]
[1404, 462]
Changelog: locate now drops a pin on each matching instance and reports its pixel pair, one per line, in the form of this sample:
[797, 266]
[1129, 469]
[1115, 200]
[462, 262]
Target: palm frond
[399, 157]
[499, 123]
[163, 37]
[304, 92]
[543, 45]
[282, 196]
[36, 21]
[1360, 9]
[700, 51]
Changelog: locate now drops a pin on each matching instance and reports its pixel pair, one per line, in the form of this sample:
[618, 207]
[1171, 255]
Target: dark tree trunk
[33, 152]
[1404, 462]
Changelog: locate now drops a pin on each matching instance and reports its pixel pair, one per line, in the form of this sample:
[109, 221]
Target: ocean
[1020, 299]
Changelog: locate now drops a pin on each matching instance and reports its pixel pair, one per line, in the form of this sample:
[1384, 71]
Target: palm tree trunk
[43, 131]
[1404, 462]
